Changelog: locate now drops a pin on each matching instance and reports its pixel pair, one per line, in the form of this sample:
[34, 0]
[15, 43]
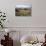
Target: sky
[23, 5]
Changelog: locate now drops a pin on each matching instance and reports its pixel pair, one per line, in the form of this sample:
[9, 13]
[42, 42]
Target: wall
[8, 6]
[38, 18]
[39, 13]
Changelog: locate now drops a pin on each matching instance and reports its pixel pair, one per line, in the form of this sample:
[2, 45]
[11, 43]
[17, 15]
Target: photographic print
[23, 10]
